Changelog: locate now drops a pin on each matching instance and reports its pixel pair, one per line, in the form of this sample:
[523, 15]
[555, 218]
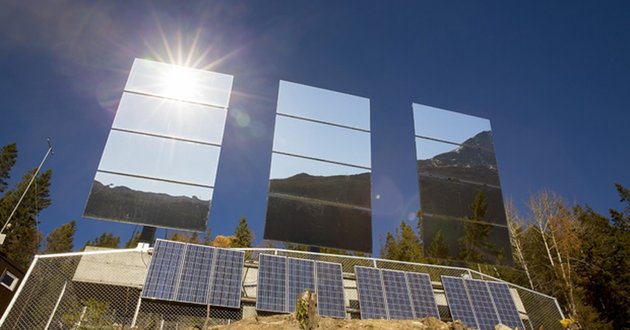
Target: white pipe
[52, 315]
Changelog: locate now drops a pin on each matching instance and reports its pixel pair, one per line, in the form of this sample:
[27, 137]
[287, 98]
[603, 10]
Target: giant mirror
[320, 176]
[159, 164]
[460, 195]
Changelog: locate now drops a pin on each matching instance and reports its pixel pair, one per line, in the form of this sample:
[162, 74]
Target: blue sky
[552, 77]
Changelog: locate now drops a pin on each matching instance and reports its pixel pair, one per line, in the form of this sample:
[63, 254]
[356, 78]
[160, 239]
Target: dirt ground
[288, 322]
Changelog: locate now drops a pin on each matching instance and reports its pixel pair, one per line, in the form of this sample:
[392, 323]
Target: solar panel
[195, 276]
[371, 293]
[484, 309]
[226, 278]
[330, 299]
[301, 277]
[161, 281]
[458, 302]
[506, 308]
[271, 292]
[422, 295]
[399, 306]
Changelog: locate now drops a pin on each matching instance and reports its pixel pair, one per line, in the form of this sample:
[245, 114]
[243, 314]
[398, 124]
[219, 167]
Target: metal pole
[52, 315]
[50, 148]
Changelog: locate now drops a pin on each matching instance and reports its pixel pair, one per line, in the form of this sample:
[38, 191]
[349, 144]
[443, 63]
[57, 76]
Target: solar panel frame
[163, 275]
[504, 302]
[422, 296]
[194, 280]
[271, 291]
[226, 278]
[397, 297]
[484, 309]
[301, 277]
[371, 293]
[329, 288]
[458, 300]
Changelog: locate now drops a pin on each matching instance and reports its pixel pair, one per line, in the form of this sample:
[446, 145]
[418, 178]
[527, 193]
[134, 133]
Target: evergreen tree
[185, 237]
[61, 238]
[438, 248]
[405, 245]
[133, 241]
[242, 235]
[474, 245]
[604, 263]
[108, 240]
[23, 237]
[8, 156]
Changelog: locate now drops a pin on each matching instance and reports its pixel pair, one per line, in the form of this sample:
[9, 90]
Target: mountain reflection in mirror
[168, 159]
[163, 117]
[475, 161]
[447, 125]
[151, 202]
[319, 180]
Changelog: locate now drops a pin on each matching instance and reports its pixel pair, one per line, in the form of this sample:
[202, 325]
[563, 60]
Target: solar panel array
[394, 295]
[195, 274]
[481, 304]
[281, 279]
[330, 299]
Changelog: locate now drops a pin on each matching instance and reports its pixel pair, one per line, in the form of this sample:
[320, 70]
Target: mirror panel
[179, 83]
[318, 224]
[321, 141]
[453, 232]
[454, 198]
[154, 115]
[447, 125]
[305, 178]
[149, 202]
[467, 163]
[162, 158]
[323, 105]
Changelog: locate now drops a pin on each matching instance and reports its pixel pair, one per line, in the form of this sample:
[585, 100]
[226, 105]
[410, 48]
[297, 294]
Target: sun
[180, 83]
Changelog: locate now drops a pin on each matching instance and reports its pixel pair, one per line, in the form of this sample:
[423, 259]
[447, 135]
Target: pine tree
[108, 240]
[61, 238]
[438, 248]
[133, 241]
[8, 156]
[405, 245]
[474, 245]
[242, 235]
[23, 237]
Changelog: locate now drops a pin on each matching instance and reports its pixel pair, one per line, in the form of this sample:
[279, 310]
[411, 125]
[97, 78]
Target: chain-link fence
[101, 289]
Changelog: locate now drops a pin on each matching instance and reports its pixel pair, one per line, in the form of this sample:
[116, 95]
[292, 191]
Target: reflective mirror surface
[321, 141]
[323, 105]
[455, 198]
[474, 163]
[315, 223]
[459, 181]
[447, 125]
[179, 83]
[320, 177]
[182, 120]
[493, 248]
[142, 201]
[148, 156]
[159, 164]
[319, 180]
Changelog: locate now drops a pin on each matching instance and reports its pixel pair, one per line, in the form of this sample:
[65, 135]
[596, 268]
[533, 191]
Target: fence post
[52, 315]
[135, 313]
[19, 290]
